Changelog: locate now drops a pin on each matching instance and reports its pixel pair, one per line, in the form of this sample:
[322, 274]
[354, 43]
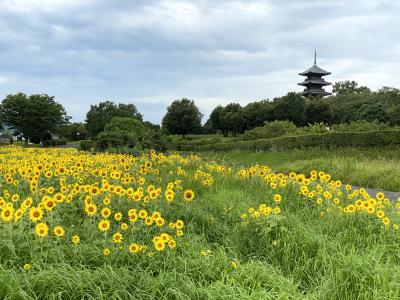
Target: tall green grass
[296, 255]
[369, 167]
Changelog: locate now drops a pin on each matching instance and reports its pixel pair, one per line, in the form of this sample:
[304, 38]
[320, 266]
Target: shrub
[130, 133]
[86, 145]
[270, 130]
[54, 142]
[361, 126]
[317, 128]
[327, 140]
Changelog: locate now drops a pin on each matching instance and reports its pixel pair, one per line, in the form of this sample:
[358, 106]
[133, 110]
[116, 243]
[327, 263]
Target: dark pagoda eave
[321, 83]
[315, 93]
[315, 70]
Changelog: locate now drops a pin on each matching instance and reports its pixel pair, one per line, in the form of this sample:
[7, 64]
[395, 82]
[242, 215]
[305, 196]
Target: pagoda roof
[315, 70]
[314, 81]
[315, 92]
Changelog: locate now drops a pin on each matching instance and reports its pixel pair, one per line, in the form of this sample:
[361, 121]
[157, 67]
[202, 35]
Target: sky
[151, 52]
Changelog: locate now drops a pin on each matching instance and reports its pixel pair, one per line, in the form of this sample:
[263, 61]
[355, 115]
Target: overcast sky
[212, 51]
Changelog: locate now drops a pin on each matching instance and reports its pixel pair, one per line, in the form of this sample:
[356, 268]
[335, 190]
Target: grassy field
[221, 232]
[374, 167]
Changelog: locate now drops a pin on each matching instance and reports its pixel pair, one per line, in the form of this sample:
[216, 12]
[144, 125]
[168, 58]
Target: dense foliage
[74, 131]
[182, 117]
[348, 103]
[325, 140]
[99, 115]
[130, 133]
[35, 117]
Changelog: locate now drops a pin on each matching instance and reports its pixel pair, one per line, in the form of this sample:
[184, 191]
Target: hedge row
[326, 140]
[55, 142]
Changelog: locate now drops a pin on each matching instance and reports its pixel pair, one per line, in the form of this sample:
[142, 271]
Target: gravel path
[392, 196]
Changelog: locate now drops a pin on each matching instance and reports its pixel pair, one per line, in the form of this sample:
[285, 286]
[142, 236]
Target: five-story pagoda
[314, 82]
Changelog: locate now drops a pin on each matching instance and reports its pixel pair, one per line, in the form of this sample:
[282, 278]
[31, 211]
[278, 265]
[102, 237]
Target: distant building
[314, 82]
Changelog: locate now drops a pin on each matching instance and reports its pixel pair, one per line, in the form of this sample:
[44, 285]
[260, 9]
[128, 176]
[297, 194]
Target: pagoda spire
[314, 82]
[315, 57]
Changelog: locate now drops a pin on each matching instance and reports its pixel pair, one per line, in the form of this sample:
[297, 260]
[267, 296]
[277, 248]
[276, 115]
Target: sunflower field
[77, 225]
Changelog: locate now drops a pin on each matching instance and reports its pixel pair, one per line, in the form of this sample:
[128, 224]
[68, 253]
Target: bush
[327, 140]
[198, 140]
[130, 133]
[270, 130]
[54, 142]
[361, 126]
[86, 145]
[317, 128]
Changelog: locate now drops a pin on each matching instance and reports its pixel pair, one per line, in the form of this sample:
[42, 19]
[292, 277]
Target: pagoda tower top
[314, 82]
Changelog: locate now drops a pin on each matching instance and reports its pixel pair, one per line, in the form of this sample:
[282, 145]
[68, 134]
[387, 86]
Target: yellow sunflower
[75, 239]
[188, 195]
[104, 225]
[42, 229]
[117, 238]
[134, 248]
[58, 231]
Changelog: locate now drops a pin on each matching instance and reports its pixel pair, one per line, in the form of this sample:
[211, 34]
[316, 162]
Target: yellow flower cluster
[115, 201]
[329, 195]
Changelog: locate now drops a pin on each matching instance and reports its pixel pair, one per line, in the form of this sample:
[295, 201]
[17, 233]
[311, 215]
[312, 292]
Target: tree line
[39, 118]
[349, 102]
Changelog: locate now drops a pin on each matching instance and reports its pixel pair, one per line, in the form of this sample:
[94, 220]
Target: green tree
[36, 117]
[74, 131]
[291, 107]
[182, 117]
[207, 128]
[215, 119]
[131, 133]
[372, 112]
[232, 119]
[99, 115]
[256, 113]
[317, 111]
[394, 114]
[348, 87]
[228, 119]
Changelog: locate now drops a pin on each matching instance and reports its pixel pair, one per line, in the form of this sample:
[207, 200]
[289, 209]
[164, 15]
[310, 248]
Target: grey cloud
[151, 52]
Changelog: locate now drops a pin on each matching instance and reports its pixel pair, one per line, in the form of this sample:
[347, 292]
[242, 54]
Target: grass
[298, 254]
[377, 168]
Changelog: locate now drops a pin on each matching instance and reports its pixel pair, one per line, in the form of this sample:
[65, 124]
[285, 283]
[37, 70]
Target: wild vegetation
[376, 168]
[155, 226]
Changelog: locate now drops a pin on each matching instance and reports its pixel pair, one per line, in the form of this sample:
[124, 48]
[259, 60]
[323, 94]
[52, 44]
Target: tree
[207, 128]
[228, 119]
[394, 114]
[232, 119]
[291, 107]
[99, 115]
[215, 119]
[256, 113]
[349, 87]
[182, 117]
[36, 117]
[131, 133]
[74, 131]
[373, 112]
[317, 111]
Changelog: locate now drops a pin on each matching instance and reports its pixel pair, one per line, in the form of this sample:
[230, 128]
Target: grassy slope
[374, 168]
